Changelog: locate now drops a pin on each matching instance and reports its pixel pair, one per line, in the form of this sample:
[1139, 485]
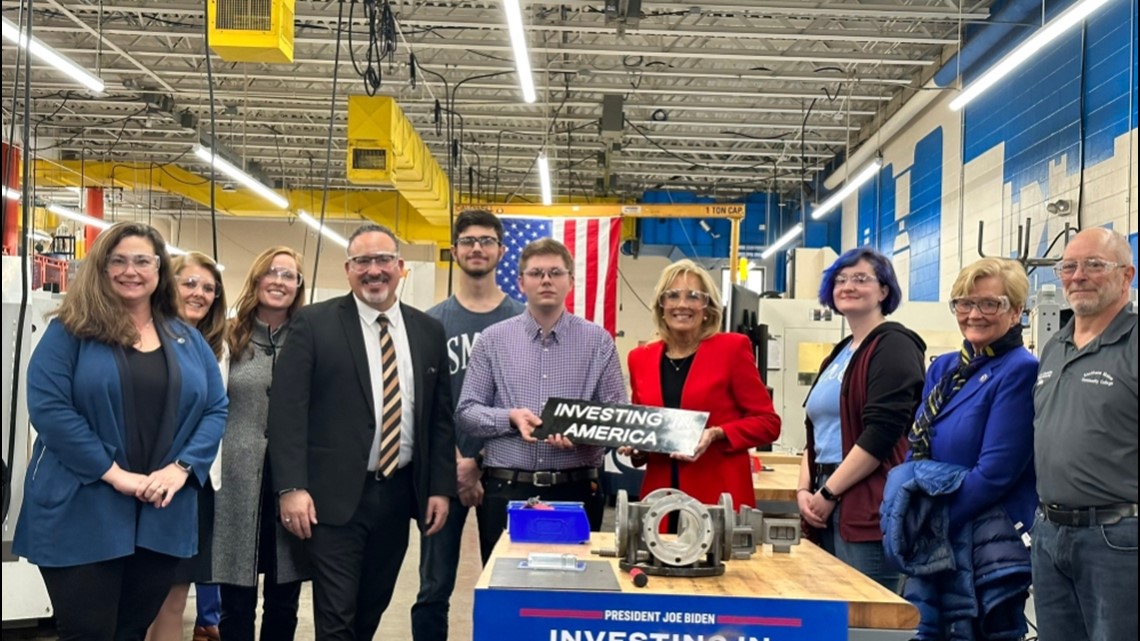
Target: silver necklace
[678, 363]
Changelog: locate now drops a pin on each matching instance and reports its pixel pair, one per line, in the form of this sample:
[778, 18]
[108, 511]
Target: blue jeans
[869, 557]
[209, 600]
[439, 562]
[1084, 581]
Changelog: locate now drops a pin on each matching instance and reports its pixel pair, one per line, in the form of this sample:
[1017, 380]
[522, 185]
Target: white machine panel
[24, 596]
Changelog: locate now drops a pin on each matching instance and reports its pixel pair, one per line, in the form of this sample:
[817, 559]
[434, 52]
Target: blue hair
[884, 273]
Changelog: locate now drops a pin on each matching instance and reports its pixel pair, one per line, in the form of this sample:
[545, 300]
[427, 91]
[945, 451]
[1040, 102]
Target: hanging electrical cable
[213, 131]
[381, 42]
[328, 147]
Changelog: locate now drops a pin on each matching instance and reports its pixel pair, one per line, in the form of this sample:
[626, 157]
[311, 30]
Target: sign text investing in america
[649, 429]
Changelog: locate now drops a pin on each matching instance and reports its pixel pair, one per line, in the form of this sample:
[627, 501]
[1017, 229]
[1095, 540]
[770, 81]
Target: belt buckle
[542, 479]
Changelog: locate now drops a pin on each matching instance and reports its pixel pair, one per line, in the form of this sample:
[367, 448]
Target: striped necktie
[388, 458]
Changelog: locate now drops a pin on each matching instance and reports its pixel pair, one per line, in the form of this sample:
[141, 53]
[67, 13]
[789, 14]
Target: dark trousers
[439, 563]
[497, 493]
[278, 611]
[355, 565]
[112, 600]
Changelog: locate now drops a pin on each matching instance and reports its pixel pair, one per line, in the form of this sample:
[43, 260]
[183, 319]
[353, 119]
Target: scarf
[969, 363]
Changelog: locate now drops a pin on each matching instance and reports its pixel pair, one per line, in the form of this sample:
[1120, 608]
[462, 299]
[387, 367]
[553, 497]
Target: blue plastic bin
[566, 523]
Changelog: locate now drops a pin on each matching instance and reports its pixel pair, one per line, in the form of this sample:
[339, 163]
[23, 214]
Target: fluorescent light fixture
[60, 210]
[837, 198]
[783, 241]
[224, 166]
[12, 194]
[1048, 33]
[45, 53]
[323, 229]
[544, 179]
[518, 45]
[36, 234]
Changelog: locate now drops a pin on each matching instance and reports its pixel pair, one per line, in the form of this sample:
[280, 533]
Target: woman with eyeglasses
[695, 366]
[976, 424]
[129, 408]
[204, 305]
[248, 541]
[858, 411]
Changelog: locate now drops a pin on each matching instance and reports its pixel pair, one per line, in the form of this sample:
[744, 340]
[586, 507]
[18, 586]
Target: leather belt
[825, 469]
[1088, 516]
[542, 478]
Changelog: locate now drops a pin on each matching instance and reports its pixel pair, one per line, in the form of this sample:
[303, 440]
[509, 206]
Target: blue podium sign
[530, 615]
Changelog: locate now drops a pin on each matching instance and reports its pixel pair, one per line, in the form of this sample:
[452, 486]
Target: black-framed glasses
[143, 263]
[193, 284]
[361, 264]
[694, 297]
[858, 278]
[1090, 266]
[283, 274]
[486, 242]
[538, 274]
[986, 306]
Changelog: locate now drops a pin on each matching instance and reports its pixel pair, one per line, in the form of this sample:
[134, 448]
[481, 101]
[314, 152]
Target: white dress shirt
[371, 329]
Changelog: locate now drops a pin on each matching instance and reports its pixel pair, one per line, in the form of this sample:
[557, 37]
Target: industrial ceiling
[721, 99]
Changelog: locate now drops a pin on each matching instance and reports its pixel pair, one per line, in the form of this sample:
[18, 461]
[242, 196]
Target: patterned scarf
[922, 431]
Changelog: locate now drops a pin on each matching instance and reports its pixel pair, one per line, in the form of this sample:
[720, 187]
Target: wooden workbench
[775, 488]
[807, 573]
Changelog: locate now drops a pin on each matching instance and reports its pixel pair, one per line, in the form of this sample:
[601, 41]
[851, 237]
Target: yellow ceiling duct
[384, 149]
[252, 30]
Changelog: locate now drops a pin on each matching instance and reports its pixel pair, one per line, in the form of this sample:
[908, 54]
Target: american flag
[593, 242]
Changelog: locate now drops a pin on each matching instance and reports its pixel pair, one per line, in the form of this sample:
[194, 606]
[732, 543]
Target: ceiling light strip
[836, 199]
[227, 168]
[785, 240]
[323, 229]
[544, 179]
[518, 45]
[42, 52]
[1048, 33]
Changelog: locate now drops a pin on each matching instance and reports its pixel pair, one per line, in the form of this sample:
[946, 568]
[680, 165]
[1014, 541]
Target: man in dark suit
[361, 437]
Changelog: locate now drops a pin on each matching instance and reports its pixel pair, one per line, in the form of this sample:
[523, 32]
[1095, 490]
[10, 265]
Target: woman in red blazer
[696, 367]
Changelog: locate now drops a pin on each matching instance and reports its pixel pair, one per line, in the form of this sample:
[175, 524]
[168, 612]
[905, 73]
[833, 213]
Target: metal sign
[649, 429]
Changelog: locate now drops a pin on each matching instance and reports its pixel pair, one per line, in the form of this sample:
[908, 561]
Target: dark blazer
[76, 399]
[723, 381]
[321, 416]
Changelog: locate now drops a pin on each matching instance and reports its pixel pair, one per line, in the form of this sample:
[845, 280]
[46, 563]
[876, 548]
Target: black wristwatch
[182, 465]
[828, 495]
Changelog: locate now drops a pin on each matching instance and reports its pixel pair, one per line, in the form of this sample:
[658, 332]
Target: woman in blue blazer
[977, 409]
[129, 407]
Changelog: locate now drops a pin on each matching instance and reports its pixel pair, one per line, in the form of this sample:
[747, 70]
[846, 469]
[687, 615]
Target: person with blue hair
[858, 411]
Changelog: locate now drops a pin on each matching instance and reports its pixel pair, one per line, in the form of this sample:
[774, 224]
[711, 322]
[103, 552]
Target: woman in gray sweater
[248, 540]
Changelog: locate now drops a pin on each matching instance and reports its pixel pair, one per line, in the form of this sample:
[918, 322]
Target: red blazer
[724, 382]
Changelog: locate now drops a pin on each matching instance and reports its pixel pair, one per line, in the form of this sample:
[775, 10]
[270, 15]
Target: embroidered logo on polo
[1044, 376]
[1097, 377]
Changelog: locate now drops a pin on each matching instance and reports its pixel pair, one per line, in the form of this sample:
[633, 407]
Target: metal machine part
[706, 535]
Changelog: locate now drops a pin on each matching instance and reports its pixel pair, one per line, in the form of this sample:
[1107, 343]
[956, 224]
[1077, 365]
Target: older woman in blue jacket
[977, 409]
[129, 407]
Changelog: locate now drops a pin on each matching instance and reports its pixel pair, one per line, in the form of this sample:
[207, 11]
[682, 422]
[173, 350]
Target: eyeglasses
[143, 263]
[361, 264]
[283, 274]
[693, 297]
[1091, 266]
[538, 274]
[486, 242]
[858, 278]
[192, 284]
[987, 306]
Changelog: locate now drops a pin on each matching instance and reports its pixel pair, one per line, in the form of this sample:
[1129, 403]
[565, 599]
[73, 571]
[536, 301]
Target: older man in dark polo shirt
[1085, 444]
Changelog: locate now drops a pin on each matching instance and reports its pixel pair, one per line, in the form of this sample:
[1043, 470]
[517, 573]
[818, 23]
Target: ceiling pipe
[991, 38]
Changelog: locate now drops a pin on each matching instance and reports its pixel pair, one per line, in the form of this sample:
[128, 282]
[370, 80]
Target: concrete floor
[397, 623]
